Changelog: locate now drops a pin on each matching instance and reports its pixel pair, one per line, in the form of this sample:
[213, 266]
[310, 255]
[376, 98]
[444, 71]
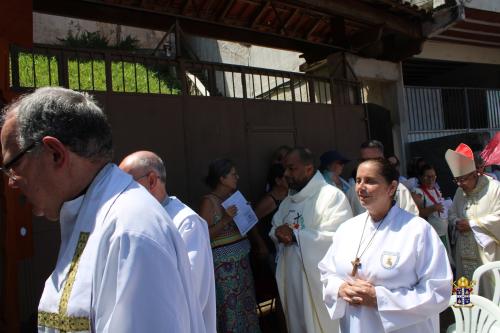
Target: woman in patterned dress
[235, 293]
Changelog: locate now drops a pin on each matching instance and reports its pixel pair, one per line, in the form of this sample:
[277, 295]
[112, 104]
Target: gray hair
[153, 163]
[70, 116]
[373, 144]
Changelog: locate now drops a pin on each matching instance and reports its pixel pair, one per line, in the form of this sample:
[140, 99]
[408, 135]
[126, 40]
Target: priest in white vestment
[122, 265]
[475, 215]
[302, 229]
[404, 200]
[386, 270]
[148, 169]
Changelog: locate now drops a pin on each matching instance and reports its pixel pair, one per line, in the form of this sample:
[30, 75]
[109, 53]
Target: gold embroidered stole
[61, 320]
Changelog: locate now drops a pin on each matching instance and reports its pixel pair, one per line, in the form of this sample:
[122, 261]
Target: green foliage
[90, 74]
[85, 39]
[96, 40]
[128, 43]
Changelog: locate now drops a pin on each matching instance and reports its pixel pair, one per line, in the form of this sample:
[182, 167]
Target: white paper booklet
[245, 219]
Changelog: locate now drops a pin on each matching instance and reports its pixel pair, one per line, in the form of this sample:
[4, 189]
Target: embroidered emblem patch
[389, 259]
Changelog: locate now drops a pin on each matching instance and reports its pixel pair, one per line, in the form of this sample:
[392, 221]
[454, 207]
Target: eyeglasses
[146, 175]
[7, 167]
[430, 177]
[463, 179]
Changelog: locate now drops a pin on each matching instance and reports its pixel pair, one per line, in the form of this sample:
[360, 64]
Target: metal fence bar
[285, 87]
[439, 111]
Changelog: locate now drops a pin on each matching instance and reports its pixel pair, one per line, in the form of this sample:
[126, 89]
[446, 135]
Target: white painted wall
[244, 54]
[489, 5]
[458, 52]
[372, 69]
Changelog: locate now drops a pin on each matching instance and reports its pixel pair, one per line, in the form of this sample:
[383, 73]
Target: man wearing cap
[331, 167]
[475, 215]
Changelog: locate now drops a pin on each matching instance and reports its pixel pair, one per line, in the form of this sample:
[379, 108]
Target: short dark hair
[280, 152]
[386, 169]
[372, 144]
[305, 154]
[220, 167]
[424, 168]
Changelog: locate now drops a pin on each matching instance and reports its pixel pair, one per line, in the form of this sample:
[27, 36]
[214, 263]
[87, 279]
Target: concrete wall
[382, 84]
[489, 5]
[48, 28]
[244, 54]
[457, 52]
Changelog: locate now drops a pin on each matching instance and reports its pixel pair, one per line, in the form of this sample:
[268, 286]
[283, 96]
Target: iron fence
[119, 72]
[440, 111]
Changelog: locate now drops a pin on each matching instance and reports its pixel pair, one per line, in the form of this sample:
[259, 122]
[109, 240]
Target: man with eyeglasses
[475, 215]
[148, 169]
[122, 266]
[375, 149]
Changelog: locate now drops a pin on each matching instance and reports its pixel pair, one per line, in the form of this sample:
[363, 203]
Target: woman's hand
[231, 211]
[358, 292]
[438, 208]
[366, 292]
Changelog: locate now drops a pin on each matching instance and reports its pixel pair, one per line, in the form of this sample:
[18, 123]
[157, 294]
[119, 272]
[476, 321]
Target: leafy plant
[129, 43]
[85, 39]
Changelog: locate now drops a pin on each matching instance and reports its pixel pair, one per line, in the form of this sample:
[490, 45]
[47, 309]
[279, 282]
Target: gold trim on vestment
[63, 323]
[61, 320]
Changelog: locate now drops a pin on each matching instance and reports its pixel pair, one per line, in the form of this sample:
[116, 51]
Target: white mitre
[460, 160]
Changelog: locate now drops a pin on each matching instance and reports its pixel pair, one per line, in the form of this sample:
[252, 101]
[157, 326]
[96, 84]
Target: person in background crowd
[386, 270]
[496, 170]
[279, 154]
[265, 264]
[302, 230]
[430, 204]
[331, 167]
[375, 149]
[481, 168]
[413, 171]
[475, 216]
[148, 169]
[394, 160]
[235, 293]
[122, 265]
[270, 202]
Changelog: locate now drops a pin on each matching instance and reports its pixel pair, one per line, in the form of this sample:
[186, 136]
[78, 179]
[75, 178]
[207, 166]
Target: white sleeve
[194, 232]
[402, 307]
[405, 200]
[331, 283]
[141, 289]
[481, 237]
[194, 235]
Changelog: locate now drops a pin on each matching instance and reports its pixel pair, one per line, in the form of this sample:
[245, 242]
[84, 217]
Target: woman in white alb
[430, 204]
[386, 270]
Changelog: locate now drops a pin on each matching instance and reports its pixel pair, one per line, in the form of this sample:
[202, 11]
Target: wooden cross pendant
[355, 265]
